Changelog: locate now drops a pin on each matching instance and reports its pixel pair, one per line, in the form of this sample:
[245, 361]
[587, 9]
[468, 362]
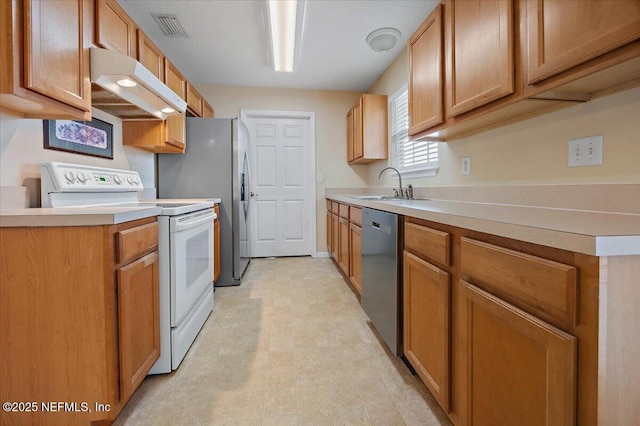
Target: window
[411, 158]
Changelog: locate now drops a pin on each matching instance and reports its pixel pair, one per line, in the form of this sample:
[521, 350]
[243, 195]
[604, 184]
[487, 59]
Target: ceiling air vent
[170, 25]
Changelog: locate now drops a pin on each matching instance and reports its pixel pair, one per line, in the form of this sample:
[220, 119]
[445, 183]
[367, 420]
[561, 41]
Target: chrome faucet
[398, 192]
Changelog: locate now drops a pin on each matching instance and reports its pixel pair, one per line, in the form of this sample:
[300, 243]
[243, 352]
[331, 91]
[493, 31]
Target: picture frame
[94, 138]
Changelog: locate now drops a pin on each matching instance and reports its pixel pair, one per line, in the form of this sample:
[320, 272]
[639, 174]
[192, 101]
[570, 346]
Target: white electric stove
[185, 246]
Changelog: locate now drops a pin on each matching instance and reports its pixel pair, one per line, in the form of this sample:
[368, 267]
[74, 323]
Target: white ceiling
[228, 42]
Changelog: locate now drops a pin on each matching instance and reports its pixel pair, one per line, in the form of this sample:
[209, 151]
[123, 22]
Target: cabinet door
[176, 125]
[355, 256]
[207, 110]
[425, 74]
[138, 321]
[335, 237]
[194, 100]
[479, 68]
[515, 368]
[358, 137]
[115, 30]
[329, 232]
[150, 56]
[56, 60]
[427, 301]
[563, 34]
[350, 135]
[343, 246]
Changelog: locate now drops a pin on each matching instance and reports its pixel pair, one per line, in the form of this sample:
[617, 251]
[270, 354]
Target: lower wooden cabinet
[516, 369]
[427, 302]
[501, 331]
[343, 245]
[83, 324]
[138, 321]
[335, 235]
[344, 240]
[355, 256]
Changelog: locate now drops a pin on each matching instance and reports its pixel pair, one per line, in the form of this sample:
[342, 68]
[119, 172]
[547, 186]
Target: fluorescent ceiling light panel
[282, 20]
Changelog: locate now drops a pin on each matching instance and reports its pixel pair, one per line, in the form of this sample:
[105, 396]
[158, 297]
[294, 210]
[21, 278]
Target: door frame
[247, 114]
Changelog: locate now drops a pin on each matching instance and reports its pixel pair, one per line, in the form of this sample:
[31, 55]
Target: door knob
[253, 194]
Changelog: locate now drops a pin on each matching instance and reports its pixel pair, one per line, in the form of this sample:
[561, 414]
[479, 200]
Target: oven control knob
[130, 180]
[83, 178]
[69, 176]
[136, 181]
[117, 179]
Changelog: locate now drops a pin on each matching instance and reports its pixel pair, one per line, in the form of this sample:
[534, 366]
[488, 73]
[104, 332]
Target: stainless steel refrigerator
[215, 165]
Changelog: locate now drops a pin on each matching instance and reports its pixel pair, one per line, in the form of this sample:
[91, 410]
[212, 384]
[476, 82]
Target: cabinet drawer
[344, 211]
[334, 207]
[135, 241]
[429, 243]
[355, 215]
[329, 205]
[542, 287]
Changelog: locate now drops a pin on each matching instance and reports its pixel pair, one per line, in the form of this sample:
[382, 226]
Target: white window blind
[417, 158]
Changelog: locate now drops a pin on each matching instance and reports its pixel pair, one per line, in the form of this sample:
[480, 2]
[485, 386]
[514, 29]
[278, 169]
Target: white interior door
[282, 187]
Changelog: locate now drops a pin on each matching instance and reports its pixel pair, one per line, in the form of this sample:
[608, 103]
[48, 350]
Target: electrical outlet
[586, 151]
[466, 166]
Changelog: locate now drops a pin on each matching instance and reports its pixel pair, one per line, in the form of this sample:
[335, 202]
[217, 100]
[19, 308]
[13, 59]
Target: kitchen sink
[382, 198]
[374, 197]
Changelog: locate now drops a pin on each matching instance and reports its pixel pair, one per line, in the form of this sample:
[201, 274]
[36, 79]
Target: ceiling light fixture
[383, 39]
[285, 25]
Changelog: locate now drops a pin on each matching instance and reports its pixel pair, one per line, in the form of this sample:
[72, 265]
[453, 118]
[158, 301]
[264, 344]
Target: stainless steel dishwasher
[381, 274]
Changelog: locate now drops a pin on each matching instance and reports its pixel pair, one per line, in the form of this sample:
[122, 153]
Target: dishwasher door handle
[375, 225]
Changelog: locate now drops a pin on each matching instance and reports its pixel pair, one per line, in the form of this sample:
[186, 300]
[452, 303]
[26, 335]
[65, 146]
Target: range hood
[123, 87]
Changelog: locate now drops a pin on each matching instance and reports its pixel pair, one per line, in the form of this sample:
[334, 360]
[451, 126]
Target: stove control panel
[65, 177]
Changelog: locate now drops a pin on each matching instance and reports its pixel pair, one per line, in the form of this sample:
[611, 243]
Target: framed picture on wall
[93, 137]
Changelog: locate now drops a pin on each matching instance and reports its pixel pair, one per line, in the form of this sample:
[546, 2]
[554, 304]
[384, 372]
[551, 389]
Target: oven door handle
[197, 221]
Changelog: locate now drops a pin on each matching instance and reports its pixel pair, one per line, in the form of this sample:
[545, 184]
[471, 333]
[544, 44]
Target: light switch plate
[586, 151]
[319, 177]
[466, 166]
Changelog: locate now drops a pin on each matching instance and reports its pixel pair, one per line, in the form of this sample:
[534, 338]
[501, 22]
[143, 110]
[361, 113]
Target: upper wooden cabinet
[508, 60]
[45, 58]
[577, 49]
[115, 30]
[425, 74]
[207, 110]
[150, 56]
[563, 34]
[167, 136]
[194, 100]
[479, 69]
[367, 130]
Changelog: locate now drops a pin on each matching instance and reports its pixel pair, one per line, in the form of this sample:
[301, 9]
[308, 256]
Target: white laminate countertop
[89, 216]
[75, 216]
[589, 232]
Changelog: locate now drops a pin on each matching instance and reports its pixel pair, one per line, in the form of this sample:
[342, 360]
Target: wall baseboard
[321, 255]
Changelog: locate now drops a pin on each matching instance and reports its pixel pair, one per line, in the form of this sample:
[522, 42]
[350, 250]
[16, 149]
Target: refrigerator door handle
[247, 172]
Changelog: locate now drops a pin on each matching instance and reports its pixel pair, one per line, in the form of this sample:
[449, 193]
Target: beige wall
[330, 108]
[22, 152]
[534, 151]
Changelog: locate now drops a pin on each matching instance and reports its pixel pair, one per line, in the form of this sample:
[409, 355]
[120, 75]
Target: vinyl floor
[289, 346]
